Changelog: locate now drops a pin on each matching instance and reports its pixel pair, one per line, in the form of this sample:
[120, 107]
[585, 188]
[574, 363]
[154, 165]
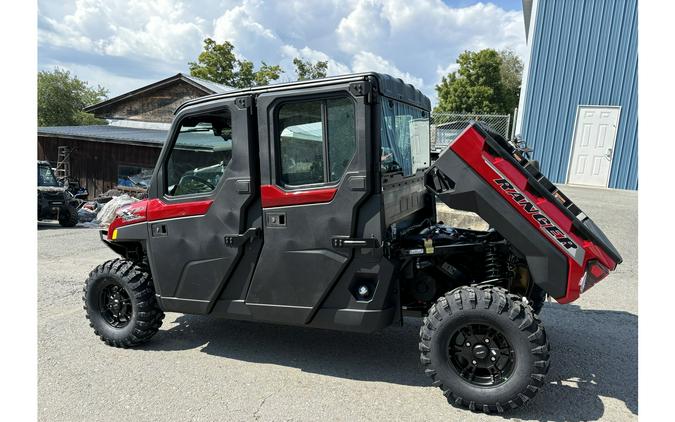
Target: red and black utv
[313, 204]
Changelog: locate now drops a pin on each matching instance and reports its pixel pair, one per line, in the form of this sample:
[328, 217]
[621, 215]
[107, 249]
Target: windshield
[405, 137]
[46, 177]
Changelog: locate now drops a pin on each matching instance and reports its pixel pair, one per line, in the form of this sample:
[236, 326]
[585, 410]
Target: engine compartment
[436, 258]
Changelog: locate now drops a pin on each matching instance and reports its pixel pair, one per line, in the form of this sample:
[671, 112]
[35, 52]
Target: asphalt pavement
[206, 369]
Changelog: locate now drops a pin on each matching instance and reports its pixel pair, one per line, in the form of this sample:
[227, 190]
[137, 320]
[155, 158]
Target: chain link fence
[446, 126]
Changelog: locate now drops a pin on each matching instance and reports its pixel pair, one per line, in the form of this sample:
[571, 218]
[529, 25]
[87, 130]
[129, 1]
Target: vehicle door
[201, 207]
[315, 144]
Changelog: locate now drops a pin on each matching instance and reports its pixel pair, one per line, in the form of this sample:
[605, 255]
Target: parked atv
[55, 202]
[75, 188]
[313, 204]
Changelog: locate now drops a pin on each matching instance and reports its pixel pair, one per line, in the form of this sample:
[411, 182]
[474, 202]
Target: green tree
[218, 63]
[512, 77]
[62, 96]
[308, 70]
[487, 81]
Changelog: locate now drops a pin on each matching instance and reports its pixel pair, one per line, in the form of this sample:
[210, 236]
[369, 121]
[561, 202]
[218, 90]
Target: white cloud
[419, 36]
[417, 41]
[365, 61]
[364, 27]
[95, 76]
[306, 53]
[240, 27]
[301, 22]
[443, 71]
[155, 29]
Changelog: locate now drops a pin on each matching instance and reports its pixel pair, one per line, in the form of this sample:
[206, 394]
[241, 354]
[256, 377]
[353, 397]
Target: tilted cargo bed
[481, 172]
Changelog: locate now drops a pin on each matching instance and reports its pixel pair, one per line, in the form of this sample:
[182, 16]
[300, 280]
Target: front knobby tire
[484, 348]
[120, 304]
[68, 217]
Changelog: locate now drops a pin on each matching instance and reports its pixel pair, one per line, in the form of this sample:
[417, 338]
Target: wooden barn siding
[95, 163]
[154, 106]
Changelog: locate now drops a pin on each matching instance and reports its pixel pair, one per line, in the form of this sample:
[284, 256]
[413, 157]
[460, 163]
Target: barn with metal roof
[102, 157]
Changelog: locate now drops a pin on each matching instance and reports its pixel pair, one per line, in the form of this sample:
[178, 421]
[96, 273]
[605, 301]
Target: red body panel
[470, 147]
[158, 210]
[129, 214]
[273, 196]
[155, 209]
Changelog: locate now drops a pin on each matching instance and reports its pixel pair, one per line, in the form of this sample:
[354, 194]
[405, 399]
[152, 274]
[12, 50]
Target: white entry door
[593, 145]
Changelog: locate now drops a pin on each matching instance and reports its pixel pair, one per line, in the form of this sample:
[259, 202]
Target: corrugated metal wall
[584, 53]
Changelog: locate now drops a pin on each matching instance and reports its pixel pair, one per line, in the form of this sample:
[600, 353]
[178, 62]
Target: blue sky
[504, 4]
[124, 44]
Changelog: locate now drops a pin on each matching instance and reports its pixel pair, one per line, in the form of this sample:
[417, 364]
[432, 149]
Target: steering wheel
[197, 179]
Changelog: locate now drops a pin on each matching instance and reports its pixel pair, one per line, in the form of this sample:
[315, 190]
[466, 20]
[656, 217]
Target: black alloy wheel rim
[115, 305]
[481, 355]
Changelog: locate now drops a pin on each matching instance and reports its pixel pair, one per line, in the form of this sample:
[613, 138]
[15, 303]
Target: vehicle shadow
[594, 354]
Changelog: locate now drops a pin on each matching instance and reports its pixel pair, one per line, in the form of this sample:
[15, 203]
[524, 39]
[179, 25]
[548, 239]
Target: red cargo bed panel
[538, 203]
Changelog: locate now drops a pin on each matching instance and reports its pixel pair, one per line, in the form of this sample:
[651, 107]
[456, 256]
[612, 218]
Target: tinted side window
[341, 136]
[301, 143]
[306, 156]
[202, 151]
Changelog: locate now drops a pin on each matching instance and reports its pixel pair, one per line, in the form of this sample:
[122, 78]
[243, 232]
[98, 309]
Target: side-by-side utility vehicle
[54, 201]
[314, 204]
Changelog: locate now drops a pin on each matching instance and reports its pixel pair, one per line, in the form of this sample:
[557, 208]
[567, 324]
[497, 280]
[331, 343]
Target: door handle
[356, 243]
[237, 240]
[357, 183]
[275, 219]
[608, 155]
[158, 230]
[243, 186]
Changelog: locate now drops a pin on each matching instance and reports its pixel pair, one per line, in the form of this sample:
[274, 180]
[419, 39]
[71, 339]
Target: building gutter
[530, 36]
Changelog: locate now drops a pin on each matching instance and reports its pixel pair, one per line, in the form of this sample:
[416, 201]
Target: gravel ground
[198, 368]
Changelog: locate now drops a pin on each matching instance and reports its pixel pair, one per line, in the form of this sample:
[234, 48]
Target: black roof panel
[388, 86]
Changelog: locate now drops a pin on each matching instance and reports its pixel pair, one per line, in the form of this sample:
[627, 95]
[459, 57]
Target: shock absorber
[494, 270]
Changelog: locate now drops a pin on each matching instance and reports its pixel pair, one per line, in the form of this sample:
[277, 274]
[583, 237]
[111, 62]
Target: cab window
[200, 154]
[46, 176]
[316, 140]
[404, 133]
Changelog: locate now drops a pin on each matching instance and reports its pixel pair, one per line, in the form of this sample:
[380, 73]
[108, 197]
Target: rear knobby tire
[132, 283]
[68, 217]
[537, 298]
[503, 313]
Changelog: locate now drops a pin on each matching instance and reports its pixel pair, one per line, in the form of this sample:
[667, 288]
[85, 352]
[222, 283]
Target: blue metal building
[578, 105]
